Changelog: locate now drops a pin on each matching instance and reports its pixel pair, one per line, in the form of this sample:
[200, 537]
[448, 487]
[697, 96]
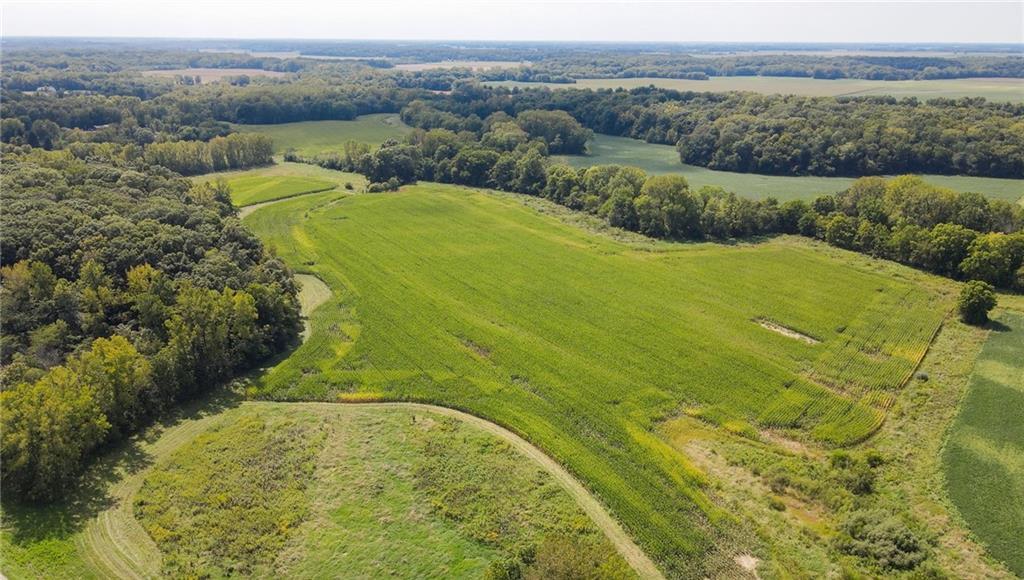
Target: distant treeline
[125, 288]
[778, 134]
[567, 68]
[962, 235]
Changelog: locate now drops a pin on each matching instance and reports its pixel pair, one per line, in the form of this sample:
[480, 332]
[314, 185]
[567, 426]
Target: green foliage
[469, 320]
[235, 151]
[882, 539]
[976, 299]
[982, 458]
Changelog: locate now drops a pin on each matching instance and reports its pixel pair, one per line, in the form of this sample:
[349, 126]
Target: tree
[977, 298]
[665, 207]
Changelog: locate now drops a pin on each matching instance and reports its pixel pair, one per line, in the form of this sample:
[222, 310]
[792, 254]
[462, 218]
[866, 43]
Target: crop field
[449, 498]
[470, 64]
[209, 75]
[993, 89]
[312, 137]
[984, 455]
[661, 159]
[583, 343]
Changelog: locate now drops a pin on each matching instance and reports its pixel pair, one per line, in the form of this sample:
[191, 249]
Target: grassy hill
[311, 137]
[584, 344]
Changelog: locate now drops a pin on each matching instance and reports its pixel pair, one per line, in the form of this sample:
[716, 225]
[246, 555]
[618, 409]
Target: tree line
[126, 289]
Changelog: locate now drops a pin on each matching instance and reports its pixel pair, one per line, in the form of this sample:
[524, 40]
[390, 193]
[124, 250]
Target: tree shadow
[29, 523]
[996, 326]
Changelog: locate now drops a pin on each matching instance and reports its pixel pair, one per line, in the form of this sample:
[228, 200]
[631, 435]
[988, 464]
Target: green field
[584, 344]
[251, 187]
[993, 89]
[660, 159]
[312, 137]
[281, 490]
[984, 456]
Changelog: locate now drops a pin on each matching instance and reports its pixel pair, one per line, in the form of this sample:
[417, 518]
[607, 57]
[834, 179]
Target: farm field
[984, 455]
[209, 75]
[305, 471]
[312, 137]
[281, 180]
[661, 159]
[470, 64]
[993, 89]
[583, 343]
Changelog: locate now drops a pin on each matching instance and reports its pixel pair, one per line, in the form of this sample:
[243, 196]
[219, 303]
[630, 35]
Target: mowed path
[117, 546]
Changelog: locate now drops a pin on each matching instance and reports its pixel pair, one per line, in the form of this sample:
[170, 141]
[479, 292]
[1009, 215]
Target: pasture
[309, 138]
[993, 89]
[254, 186]
[584, 343]
[448, 498]
[983, 458]
[661, 159]
[210, 75]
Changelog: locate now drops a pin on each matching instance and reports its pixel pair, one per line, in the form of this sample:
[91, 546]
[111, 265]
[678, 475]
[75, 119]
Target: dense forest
[779, 134]
[125, 289]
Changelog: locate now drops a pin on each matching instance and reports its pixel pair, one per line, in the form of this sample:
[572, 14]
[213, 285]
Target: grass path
[117, 546]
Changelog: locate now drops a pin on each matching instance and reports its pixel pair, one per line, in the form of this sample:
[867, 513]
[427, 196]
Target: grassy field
[311, 137]
[984, 456]
[209, 75]
[583, 344]
[279, 489]
[660, 159]
[256, 186]
[993, 89]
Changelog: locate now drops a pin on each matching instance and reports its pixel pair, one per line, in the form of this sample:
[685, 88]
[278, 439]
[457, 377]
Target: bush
[874, 535]
[977, 298]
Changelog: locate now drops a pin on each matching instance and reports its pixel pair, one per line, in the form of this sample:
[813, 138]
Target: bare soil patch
[786, 331]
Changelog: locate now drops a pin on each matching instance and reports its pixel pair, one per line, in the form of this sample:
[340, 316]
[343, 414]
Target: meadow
[309, 138]
[448, 498]
[661, 159]
[993, 89]
[584, 343]
[983, 459]
[251, 187]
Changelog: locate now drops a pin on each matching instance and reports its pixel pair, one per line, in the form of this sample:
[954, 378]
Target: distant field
[984, 456]
[583, 344]
[993, 89]
[471, 64]
[312, 137]
[209, 75]
[263, 184]
[660, 159]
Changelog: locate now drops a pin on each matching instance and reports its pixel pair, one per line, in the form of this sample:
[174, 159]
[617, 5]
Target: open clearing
[662, 159]
[309, 138]
[583, 344]
[209, 75]
[253, 187]
[993, 89]
[470, 64]
[984, 455]
[411, 459]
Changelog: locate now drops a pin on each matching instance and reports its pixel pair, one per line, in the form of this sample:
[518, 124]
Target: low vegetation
[983, 457]
[488, 346]
[310, 138]
[253, 189]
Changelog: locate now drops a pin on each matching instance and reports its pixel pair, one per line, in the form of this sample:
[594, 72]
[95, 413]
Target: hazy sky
[821, 21]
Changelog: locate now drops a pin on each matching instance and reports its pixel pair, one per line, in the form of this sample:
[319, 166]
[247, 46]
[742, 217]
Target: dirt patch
[748, 563]
[786, 331]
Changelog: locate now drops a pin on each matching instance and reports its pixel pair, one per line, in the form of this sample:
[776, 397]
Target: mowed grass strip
[984, 456]
[583, 344]
[664, 159]
[252, 189]
[313, 137]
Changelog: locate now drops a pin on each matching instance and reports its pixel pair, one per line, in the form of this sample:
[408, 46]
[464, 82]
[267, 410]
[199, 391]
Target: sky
[577, 20]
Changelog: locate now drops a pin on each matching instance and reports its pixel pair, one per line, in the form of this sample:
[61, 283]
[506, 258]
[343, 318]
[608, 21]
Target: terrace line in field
[590, 342]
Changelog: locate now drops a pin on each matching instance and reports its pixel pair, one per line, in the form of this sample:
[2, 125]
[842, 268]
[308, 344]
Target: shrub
[977, 298]
[882, 538]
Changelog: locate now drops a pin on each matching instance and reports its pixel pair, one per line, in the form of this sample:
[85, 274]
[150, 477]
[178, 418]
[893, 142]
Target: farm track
[117, 546]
